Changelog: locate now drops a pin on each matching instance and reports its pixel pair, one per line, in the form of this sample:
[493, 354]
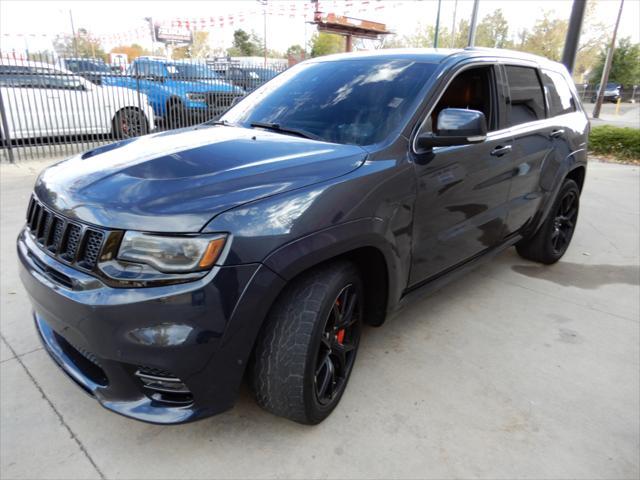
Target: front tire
[308, 345]
[552, 240]
[130, 123]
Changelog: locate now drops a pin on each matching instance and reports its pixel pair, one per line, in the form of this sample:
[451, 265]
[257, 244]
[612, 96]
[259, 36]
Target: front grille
[67, 240]
[163, 387]
[219, 100]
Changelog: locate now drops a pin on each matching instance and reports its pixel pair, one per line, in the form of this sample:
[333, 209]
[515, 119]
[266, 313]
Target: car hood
[178, 181]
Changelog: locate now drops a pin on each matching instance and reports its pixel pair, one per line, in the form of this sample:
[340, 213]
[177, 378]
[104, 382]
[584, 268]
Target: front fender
[290, 232]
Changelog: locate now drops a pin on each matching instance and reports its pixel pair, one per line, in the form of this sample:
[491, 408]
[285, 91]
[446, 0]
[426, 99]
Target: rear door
[533, 142]
[460, 207]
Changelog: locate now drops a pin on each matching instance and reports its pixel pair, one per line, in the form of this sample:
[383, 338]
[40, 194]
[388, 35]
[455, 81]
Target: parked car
[164, 268]
[93, 69]
[42, 100]
[249, 78]
[181, 92]
[612, 93]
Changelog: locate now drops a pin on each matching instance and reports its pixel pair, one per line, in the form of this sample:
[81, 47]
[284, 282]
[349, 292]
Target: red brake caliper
[339, 333]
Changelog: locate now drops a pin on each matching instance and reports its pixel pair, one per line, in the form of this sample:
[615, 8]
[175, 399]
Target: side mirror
[456, 126]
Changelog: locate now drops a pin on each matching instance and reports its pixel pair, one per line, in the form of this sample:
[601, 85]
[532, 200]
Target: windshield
[356, 102]
[86, 66]
[190, 71]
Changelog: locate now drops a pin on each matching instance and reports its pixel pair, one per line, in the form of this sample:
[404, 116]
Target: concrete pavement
[628, 115]
[515, 371]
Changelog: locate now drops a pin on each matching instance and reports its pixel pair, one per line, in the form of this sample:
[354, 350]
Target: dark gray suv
[165, 269]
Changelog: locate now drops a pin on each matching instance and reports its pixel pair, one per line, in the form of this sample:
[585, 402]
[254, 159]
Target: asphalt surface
[515, 371]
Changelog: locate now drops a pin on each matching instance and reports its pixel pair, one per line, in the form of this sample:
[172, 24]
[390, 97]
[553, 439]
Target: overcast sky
[18, 18]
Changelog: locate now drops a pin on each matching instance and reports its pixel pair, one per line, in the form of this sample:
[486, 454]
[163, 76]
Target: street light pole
[264, 36]
[73, 32]
[573, 34]
[607, 66]
[453, 25]
[474, 21]
[435, 34]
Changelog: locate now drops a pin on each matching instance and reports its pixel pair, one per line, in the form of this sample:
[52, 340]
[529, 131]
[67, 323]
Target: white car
[42, 100]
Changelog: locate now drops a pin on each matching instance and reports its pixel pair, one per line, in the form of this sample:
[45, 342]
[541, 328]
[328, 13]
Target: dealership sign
[169, 34]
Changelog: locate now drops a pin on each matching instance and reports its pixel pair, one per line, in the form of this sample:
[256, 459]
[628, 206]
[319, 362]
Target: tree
[546, 38]
[625, 66]
[295, 51]
[493, 31]
[83, 45]
[326, 43]
[245, 45]
[132, 51]
[199, 47]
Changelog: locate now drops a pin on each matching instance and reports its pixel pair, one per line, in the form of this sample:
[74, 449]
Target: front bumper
[201, 333]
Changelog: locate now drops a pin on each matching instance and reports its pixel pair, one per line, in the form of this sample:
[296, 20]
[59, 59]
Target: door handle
[500, 151]
[557, 133]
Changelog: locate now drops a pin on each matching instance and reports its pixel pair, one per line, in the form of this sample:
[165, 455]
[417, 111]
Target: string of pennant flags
[294, 9]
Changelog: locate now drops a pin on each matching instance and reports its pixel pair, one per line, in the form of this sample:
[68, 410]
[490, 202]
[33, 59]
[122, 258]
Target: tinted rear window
[527, 100]
[355, 102]
[558, 93]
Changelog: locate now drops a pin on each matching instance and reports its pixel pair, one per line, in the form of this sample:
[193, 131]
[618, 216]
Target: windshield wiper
[276, 127]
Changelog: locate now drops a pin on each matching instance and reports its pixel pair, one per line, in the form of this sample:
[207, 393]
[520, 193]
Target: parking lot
[515, 371]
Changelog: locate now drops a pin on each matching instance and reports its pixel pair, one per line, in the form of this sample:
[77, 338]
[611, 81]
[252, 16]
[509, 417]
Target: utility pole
[573, 34]
[607, 66]
[453, 24]
[73, 32]
[472, 27]
[435, 34]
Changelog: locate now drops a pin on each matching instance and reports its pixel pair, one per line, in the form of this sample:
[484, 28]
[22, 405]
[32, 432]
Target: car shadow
[581, 275]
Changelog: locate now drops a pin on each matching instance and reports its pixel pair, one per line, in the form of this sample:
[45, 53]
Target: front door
[462, 191]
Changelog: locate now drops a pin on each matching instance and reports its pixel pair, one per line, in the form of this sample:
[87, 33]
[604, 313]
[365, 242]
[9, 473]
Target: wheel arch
[372, 254]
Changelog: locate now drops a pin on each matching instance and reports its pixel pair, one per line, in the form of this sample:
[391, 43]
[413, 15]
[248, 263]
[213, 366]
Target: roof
[437, 55]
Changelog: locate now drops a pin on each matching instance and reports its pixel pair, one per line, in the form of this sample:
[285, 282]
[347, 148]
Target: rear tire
[552, 240]
[307, 347]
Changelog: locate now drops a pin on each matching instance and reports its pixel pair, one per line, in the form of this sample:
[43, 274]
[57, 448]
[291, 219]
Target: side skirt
[438, 281]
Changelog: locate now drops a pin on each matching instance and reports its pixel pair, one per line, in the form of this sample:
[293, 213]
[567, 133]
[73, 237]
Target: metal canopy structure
[349, 27]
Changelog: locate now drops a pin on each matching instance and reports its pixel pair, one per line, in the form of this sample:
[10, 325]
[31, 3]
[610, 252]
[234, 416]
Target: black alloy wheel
[338, 346]
[552, 239]
[564, 222]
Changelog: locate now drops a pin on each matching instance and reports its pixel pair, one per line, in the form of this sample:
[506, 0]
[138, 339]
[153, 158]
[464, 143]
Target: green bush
[622, 143]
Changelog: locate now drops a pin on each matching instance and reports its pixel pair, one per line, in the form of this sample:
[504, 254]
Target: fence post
[5, 129]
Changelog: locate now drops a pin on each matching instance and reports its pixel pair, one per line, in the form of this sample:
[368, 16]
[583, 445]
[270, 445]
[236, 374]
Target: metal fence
[56, 107]
[588, 93]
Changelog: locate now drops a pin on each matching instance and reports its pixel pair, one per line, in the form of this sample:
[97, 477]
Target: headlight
[172, 254]
[196, 96]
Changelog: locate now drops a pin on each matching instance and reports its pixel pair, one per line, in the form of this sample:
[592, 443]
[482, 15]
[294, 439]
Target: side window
[140, 69]
[525, 92]
[19, 77]
[156, 69]
[472, 89]
[558, 93]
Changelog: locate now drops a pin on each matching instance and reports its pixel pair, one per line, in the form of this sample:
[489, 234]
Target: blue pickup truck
[180, 92]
